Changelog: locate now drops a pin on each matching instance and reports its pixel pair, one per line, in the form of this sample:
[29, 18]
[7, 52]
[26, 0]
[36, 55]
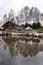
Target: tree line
[33, 26]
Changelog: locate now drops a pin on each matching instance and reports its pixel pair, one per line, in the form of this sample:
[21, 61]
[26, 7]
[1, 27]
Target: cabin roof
[16, 25]
[6, 23]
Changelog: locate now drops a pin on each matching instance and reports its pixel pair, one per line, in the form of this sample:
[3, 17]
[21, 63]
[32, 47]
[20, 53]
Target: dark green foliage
[34, 25]
[26, 25]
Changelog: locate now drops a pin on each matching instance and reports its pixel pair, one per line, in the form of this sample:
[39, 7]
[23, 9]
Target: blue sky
[17, 5]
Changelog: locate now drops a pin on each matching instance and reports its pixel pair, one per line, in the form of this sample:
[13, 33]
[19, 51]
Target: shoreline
[38, 35]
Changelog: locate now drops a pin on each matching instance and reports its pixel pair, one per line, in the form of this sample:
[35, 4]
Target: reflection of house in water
[25, 48]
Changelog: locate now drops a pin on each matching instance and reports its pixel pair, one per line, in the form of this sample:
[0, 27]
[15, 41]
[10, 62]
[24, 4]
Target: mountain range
[26, 14]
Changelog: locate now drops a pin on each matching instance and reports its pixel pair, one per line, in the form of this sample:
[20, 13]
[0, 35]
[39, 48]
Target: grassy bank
[35, 26]
[40, 30]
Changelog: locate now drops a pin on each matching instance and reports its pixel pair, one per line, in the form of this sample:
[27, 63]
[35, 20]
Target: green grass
[40, 30]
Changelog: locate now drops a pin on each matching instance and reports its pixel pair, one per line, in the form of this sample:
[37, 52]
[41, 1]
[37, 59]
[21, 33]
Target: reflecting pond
[21, 51]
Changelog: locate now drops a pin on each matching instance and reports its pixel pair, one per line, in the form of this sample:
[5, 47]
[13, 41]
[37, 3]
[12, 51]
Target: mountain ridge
[25, 15]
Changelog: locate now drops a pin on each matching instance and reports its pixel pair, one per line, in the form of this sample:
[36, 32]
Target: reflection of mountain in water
[23, 46]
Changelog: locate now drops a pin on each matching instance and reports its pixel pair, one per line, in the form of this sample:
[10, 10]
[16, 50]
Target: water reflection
[21, 51]
[24, 46]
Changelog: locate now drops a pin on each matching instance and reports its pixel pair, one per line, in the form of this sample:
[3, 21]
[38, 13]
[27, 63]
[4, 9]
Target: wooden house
[8, 26]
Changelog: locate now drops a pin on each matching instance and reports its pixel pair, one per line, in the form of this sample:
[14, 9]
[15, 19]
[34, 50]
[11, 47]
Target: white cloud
[1, 2]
